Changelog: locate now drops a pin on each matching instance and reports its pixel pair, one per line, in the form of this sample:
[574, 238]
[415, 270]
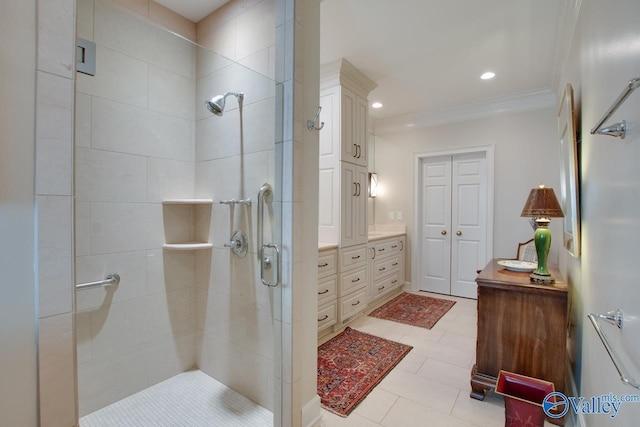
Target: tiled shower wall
[235, 311]
[135, 145]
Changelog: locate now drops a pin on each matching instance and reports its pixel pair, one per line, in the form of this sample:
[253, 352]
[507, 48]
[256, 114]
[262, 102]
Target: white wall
[526, 153]
[18, 364]
[604, 56]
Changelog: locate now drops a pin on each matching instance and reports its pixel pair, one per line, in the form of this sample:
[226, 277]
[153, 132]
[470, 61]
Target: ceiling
[194, 10]
[426, 56]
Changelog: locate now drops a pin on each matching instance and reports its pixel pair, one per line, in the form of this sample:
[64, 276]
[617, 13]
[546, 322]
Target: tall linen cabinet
[343, 180]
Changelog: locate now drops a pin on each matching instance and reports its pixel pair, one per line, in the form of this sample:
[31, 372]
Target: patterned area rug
[415, 310]
[351, 364]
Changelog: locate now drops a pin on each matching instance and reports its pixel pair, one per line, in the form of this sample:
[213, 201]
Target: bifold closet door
[453, 217]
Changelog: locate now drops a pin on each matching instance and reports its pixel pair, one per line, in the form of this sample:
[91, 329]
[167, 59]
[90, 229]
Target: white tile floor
[190, 399]
[430, 386]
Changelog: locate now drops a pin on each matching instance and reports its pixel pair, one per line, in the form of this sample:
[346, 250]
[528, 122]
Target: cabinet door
[349, 134]
[360, 115]
[353, 215]
[349, 192]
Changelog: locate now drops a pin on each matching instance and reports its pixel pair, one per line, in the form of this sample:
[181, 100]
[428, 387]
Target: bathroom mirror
[569, 173]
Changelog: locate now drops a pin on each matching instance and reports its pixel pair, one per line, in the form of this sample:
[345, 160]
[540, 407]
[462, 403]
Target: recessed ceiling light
[488, 75]
[376, 105]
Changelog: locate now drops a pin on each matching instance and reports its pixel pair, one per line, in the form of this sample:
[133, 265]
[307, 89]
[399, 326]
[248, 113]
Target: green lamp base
[542, 239]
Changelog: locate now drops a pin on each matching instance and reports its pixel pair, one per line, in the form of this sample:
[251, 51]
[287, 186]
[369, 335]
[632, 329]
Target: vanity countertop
[373, 237]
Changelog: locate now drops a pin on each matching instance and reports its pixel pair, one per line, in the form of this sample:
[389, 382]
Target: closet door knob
[458, 233]
[443, 232]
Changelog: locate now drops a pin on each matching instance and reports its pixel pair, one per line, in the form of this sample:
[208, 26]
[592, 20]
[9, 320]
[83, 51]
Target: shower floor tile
[190, 399]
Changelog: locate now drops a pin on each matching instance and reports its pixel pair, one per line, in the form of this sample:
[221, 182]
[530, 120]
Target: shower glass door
[191, 333]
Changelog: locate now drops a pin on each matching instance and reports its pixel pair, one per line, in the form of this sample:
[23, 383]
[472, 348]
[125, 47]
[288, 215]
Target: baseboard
[311, 413]
[575, 420]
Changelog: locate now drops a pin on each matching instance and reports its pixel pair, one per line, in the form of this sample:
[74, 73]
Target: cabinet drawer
[388, 247]
[353, 304]
[327, 263]
[353, 257]
[327, 315]
[385, 266]
[353, 280]
[385, 285]
[327, 289]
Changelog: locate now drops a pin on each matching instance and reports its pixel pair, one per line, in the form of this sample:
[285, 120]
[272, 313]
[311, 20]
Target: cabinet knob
[458, 233]
[443, 232]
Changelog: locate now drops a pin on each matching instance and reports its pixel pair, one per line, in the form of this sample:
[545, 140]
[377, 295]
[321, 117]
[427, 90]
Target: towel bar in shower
[614, 318]
[619, 129]
[111, 279]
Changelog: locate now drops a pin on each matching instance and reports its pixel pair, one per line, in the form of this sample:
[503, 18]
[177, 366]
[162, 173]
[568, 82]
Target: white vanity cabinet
[327, 288]
[386, 263]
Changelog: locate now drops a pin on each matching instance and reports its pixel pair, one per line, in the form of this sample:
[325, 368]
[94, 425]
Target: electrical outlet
[399, 215]
[392, 215]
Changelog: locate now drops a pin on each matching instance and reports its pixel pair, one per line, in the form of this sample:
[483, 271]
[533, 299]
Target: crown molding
[532, 100]
[344, 73]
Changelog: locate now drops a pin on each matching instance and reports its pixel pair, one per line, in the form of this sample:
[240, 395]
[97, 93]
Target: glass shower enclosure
[167, 197]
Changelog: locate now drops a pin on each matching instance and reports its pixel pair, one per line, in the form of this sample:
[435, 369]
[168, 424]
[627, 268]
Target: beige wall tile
[102, 176]
[119, 327]
[170, 313]
[168, 271]
[172, 20]
[84, 19]
[56, 39]
[118, 77]
[121, 227]
[54, 133]
[55, 257]
[83, 229]
[218, 137]
[171, 356]
[138, 6]
[83, 120]
[171, 93]
[167, 179]
[256, 29]
[258, 62]
[57, 371]
[126, 129]
[106, 380]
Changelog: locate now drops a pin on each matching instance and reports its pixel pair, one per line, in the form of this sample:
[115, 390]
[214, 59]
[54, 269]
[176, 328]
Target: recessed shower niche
[186, 223]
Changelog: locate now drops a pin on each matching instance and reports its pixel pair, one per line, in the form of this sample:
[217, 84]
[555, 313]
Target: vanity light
[376, 105]
[373, 184]
[488, 75]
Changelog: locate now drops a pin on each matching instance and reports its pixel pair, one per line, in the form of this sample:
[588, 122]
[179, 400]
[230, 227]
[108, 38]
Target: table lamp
[542, 204]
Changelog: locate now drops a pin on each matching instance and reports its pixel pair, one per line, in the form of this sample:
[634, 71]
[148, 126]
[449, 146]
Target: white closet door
[454, 223]
[436, 225]
[469, 219]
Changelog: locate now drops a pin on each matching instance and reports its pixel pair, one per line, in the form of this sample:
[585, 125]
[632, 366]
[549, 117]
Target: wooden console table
[522, 328]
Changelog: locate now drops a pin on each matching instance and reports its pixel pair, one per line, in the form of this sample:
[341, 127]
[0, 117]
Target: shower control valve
[238, 243]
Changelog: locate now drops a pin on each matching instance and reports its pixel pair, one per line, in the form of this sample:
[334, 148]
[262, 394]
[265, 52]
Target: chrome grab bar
[613, 318]
[264, 193]
[112, 279]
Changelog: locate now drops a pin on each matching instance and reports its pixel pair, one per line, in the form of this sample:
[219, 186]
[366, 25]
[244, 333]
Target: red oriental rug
[351, 364]
[415, 310]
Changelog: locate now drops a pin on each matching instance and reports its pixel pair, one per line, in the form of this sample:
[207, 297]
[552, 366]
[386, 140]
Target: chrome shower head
[216, 104]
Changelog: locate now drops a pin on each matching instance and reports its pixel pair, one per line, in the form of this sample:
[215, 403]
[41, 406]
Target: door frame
[416, 247]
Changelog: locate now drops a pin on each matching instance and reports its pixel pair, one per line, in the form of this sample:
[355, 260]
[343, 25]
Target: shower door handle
[263, 260]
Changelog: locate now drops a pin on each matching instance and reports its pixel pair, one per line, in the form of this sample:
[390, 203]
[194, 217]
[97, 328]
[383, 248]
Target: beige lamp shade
[542, 202]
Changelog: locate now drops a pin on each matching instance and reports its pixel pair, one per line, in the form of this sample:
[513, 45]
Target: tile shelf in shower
[187, 246]
[186, 224]
[187, 202]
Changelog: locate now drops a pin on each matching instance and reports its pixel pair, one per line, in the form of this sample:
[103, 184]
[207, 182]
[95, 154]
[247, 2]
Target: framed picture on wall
[569, 173]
